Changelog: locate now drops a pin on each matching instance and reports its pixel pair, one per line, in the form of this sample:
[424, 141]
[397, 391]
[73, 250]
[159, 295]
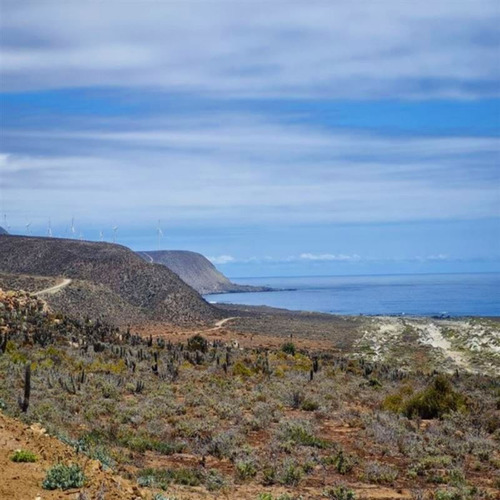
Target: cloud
[339, 49]
[244, 169]
[328, 257]
[433, 258]
[221, 259]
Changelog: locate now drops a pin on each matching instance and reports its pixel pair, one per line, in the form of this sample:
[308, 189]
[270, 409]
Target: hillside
[197, 271]
[112, 271]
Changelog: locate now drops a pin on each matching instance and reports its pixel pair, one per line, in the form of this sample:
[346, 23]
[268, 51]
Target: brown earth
[22, 481]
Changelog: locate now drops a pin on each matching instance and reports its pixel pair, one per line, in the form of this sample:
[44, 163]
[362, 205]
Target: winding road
[148, 256]
[53, 289]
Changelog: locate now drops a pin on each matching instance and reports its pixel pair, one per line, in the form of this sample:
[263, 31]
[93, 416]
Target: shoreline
[301, 312]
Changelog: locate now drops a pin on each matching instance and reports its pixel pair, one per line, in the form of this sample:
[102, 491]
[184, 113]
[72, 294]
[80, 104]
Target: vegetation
[435, 401]
[205, 415]
[23, 456]
[289, 348]
[63, 477]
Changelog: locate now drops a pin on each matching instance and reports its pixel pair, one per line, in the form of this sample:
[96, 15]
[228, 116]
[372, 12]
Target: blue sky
[290, 139]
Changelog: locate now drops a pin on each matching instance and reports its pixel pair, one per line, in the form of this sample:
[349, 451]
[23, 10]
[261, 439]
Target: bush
[339, 493]
[289, 348]
[380, 473]
[246, 469]
[23, 456]
[214, 480]
[343, 463]
[64, 477]
[161, 478]
[309, 405]
[436, 400]
[301, 435]
[197, 343]
[291, 474]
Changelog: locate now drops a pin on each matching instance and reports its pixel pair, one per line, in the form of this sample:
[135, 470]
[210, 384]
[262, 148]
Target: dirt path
[222, 322]
[53, 289]
[148, 256]
[432, 336]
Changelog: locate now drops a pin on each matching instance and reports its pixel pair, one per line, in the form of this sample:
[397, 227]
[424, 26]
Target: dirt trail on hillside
[53, 289]
[432, 336]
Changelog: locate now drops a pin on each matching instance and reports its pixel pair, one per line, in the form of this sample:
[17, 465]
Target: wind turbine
[160, 234]
[5, 223]
[49, 230]
[115, 228]
[73, 230]
[101, 235]
[81, 236]
[28, 232]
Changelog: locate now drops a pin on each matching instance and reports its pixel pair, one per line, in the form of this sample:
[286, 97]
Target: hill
[114, 272]
[197, 271]
[3, 231]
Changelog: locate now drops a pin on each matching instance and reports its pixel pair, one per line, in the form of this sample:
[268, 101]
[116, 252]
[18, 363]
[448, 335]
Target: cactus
[25, 402]
[315, 364]
[155, 366]
[3, 343]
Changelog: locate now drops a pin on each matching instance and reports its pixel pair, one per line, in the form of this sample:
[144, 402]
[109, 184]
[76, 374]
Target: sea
[440, 295]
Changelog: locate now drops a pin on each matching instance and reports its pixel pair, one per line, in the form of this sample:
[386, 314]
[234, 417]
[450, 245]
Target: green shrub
[197, 343]
[291, 474]
[343, 463]
[214, 480]
[375, 383]
[289, 348]
[339, 493]
[308, 405]
[241, 369]
[299, 434]
[24, 456]
[436, 400]
[161, 478]
[379, 473]
[246, 469]
[64, 477]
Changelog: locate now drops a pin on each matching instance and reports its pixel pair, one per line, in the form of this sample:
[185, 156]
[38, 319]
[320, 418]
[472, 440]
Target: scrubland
[202, 418]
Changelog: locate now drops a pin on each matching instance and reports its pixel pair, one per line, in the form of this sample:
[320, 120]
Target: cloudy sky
[276, 137]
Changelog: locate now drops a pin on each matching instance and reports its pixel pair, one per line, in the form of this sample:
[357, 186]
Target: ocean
[417, 295]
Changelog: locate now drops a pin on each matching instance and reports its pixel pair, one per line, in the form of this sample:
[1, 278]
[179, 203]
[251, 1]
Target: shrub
[299, 434]
[161, 478]
[309, 405]
[289, 348]
[339, 493]
[24, 456]
[343, 463]
[241, 369]
[64, 477]
[435, 401]
[246, 469]
[197, 343]
[380, 473]
[291, 474]
[269, 475]
[214, 481]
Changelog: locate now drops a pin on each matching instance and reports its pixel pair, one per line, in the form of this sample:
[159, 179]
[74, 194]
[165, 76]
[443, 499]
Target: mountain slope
[197, 271]
[153, 289]
[3, 231]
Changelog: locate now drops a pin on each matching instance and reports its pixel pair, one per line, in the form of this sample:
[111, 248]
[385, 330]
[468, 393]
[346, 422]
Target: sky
[275, 137]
